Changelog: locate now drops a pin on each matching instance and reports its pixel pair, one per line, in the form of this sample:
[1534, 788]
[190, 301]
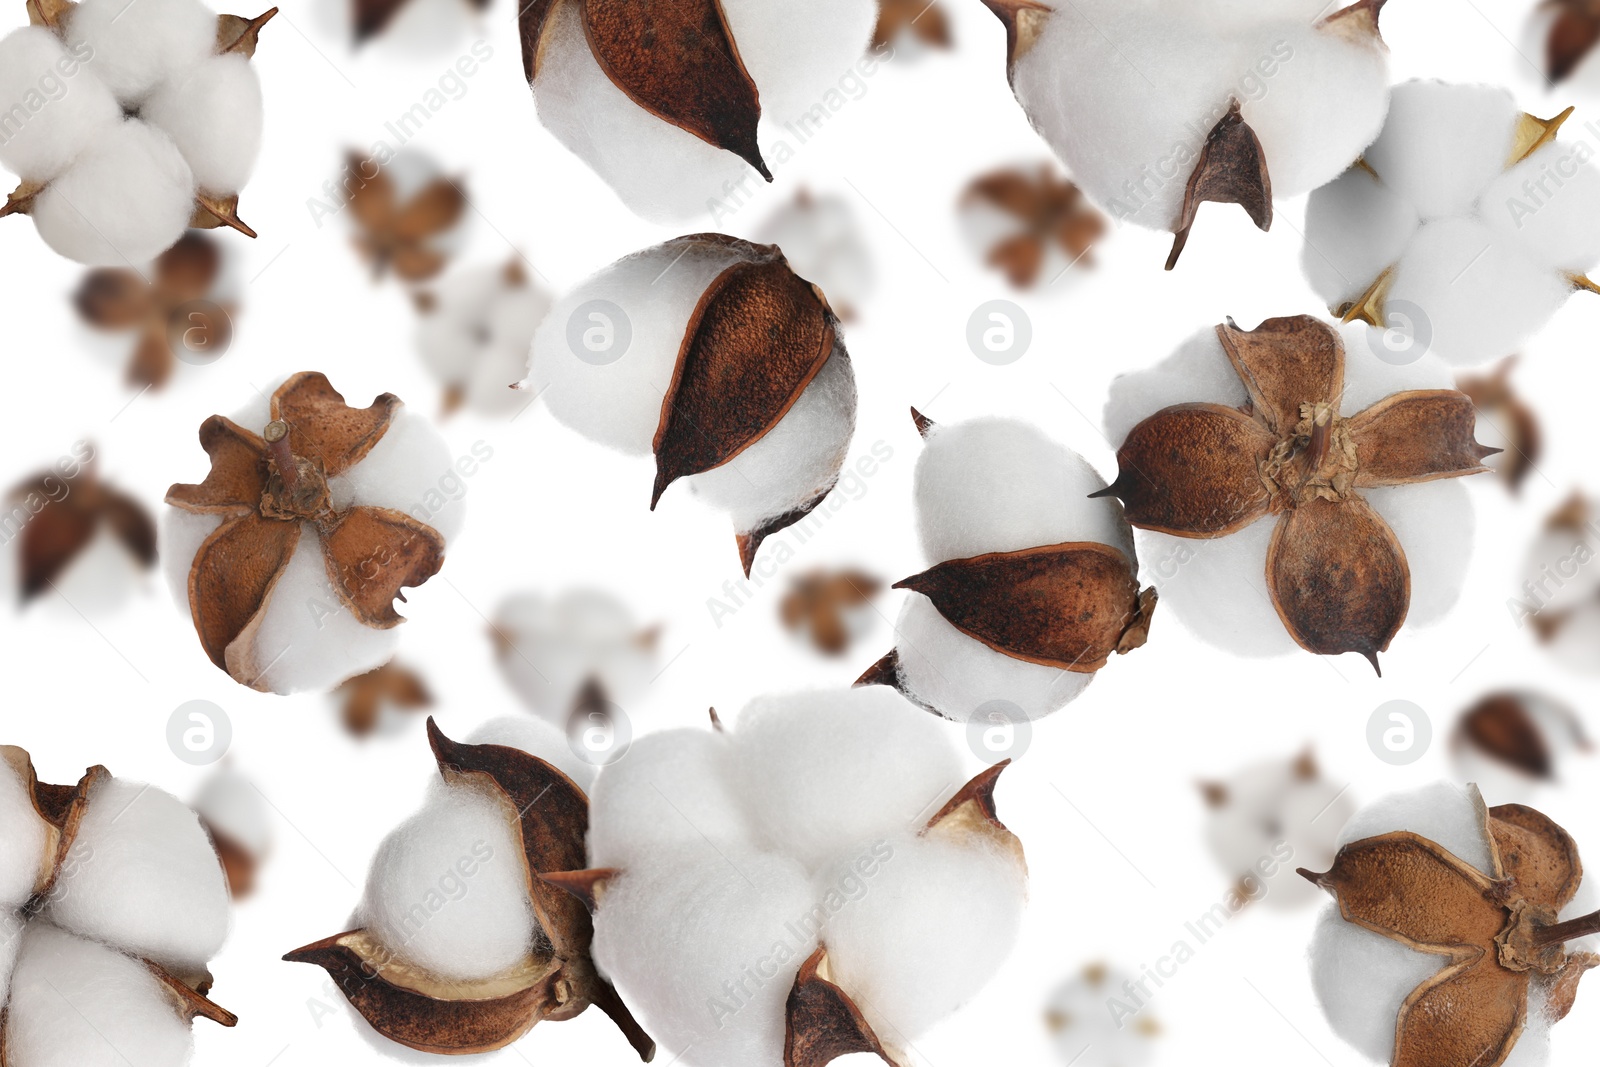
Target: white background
[1105, 800]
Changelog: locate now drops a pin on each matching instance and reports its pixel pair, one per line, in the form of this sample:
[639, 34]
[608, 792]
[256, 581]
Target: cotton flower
[112, 902]
[1465, 226]
[129, 123]
[1157, 106]
[671, 102]
[1087, 1034]
[1034, 585]
[711, 353]
[314, 516]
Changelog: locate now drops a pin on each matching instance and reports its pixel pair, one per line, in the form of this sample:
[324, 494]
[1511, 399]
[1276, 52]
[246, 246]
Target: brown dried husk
[1498, 934]
[56, 534]
[557, 980]
[61, 808]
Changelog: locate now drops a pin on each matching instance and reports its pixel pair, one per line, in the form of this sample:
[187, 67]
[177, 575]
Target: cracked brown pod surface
[284, 490]
[712, 355]
[1003, 623]
[1042, 218]
[1337, 576]
[1486, 914]
[63, 511]
[1276, 99]
[546, 815]
[827, 838]
[110, 907]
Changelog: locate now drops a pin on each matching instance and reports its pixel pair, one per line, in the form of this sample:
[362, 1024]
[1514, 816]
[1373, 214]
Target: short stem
[1571, 930]
[277, 437]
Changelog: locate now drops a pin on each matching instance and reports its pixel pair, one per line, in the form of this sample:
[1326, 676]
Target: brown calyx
[63, 526]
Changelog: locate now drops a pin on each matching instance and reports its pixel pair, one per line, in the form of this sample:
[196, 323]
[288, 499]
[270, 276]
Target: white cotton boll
[1002, 485]
[1434, 523]
[672, 790]
[797, 53]
[551, 649]
[1549, 206]
[476, 335]
[101, 578]
[411, 470]
[448, 888]
[705, 952]
[307, 639]
[1443, 143]
[140, 43]
[1323, 102]
[929, 929]
[1449, 815]
[1275, 817]
[960, 677]
[1368, 379]
[141, 874]
[232, 807]
[817, 770]
[1198, 372]
[51, 116]
[126, 199]
[1478, 295]
[796, 460]
[1356, 228]
[537, 738]
[214, 116]
[24, 840]
[1088, 1033]
[1361, 978]
[1203, 585]
[75, 1003]
[618, 403]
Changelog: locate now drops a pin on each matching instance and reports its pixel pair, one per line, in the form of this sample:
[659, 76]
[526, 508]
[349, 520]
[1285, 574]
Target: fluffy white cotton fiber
[1127, 92]
[214, 116]
[51, 116]
[75, 1003]
[1443, 813]
[1499, 242]
[672, 790]
[231, 806]
[125, 200]
[448, 888]
[537, 738]
[553, 647]
[141, 875]
[138, 45]
[1276, 816]
[475, 338]
[24, 840]
[796, 55]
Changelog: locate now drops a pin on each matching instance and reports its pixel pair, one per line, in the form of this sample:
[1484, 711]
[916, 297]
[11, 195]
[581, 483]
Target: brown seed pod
[371, 17]
[66, 514]
[272, 489]
[1522, 730]
[557, 980]
[1337, 576]
[1047, 213]
[1498, 933]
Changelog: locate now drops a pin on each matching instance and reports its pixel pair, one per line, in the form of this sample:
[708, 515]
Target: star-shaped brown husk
[112, 298]
[824, 1022]
[923, 19]
[271, 490]
[1053, 212]
[366, 695]
[1494, 397]
[63, 526]
[1498, 935]
[1574, 31]
[818, 601]
[557, 980]
[398, 235]
[1337, 575]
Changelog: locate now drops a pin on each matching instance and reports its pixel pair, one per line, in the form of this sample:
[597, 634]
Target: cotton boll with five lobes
[137, 47]
[1083, 1028]
[1004, 513]
[473, 333]
[76, 113]
[367, 512]
[1278, 92]
[581, 646]
[712, 354]
[673, 129]
[1467, 224]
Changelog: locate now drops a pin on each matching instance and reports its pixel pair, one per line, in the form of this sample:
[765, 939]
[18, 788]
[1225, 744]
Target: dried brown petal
[1468, 1015]
[1573, 35]
[678, 61]
[1563, 991]
[1191, 470]
[1286, 364]
[232, 577]
[1539, 857]
[723, 398]
[973, 804]
[749, 541]
[1338, 578]
[20, 200]
[1500, 726]
[49, 13]
[240, 35]
[823, 1022]
[1358, 20]
[884, 672]
[1232, 170]
[238, 474]
[1052, 211]
[188, 269]
[372, 553]
[396, 234]
[1533, 133]
[51, 541]
[211, 212]
[1417, 436]
[238, 865]
[191, 1002]
[437, 207]
[1492, 394]
[372, 17]
[1064, 606]
[323, 428]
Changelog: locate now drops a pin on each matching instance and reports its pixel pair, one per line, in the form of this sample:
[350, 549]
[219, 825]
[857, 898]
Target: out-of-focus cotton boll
[448, 888]
[1508, 224]
[61, 114]
[556, 652]
[1086, 1033]
[214, 116]
[821, 236]
[126, 198]
[139, 46]
[1514, 742]
[473, 334]
[77, 1003]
